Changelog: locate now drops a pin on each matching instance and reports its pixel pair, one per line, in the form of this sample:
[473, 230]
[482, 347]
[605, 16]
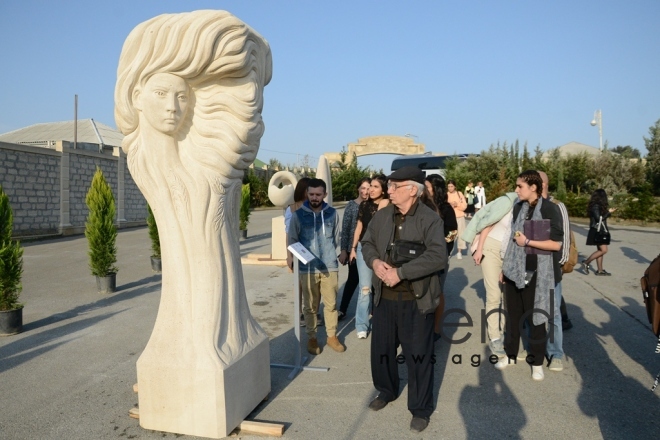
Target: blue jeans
[363, 308]
[554, 347]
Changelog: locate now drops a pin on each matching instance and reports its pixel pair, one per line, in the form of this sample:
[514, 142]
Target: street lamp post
[598, 120]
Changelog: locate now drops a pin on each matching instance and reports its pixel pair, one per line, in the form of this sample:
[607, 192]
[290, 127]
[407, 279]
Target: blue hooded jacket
[319, 233]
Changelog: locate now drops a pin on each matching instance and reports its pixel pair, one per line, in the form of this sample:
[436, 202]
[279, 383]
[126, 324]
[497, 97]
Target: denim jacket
[319, 233]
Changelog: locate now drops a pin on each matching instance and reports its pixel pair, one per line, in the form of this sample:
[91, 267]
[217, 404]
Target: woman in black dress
[598, 207]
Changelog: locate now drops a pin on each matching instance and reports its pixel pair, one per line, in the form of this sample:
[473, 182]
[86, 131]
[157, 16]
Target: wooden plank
[262, 428]
[134, 413]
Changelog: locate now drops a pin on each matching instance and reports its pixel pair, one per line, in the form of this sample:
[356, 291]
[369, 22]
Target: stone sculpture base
[278, 241]
[184, 399]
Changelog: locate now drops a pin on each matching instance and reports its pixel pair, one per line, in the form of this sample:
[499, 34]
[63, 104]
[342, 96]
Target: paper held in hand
[301, 253]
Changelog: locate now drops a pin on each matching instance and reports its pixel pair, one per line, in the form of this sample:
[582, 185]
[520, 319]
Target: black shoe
[377, 404]
[602, 273]
[341, 316]
[566, 325]
[585, 267]
[419, 424]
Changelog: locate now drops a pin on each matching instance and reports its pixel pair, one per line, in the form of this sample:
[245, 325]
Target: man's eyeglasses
[391, 185]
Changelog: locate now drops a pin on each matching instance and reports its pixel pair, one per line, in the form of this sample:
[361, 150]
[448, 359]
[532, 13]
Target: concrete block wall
[135, 206]
[47, 187]
[31, 180]
[82, 166]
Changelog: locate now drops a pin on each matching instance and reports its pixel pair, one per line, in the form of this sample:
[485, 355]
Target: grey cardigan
[348, 226]
[422, 224]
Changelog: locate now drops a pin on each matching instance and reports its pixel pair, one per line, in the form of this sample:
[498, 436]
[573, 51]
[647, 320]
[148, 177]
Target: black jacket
[594, 216]
[422, 224]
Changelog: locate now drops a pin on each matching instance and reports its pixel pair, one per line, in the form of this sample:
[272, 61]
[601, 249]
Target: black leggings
[349, 288]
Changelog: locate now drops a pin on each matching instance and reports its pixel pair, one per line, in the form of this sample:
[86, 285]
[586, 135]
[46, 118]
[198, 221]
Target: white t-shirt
[480, 195]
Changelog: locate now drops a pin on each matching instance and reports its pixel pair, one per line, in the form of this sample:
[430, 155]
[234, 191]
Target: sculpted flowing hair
[225, 63]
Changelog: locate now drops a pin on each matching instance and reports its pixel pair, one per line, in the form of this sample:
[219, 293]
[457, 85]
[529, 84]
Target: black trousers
[520, 302]
[397, 323]
[349, 288]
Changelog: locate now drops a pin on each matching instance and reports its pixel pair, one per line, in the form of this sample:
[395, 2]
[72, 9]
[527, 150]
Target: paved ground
[69, 375]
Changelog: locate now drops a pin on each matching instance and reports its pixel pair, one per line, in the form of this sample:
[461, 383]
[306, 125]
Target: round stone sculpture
[282, 196]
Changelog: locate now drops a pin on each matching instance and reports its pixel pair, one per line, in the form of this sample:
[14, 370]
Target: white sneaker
[362, 335]
[503, 363]
[459, 256]
[556, 365]
[537, 372]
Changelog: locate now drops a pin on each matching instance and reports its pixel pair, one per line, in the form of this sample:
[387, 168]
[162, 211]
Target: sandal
[602, 273]
[585, 267]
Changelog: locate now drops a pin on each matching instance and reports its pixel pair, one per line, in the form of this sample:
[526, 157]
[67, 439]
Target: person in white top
[480, 196]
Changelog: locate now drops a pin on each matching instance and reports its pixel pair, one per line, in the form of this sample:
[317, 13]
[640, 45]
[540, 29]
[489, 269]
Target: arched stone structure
[379, 145]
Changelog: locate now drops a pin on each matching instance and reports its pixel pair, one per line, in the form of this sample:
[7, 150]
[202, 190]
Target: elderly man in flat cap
[405, 246]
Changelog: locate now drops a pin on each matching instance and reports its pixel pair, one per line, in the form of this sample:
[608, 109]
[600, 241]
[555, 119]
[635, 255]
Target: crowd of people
[397, 238]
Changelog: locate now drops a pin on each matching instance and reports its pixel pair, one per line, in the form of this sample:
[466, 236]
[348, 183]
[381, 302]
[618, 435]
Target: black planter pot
[11, 322]
[243, 233]
[156, 264]
[107, 284]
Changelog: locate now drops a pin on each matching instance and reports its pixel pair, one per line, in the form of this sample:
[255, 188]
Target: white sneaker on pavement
[537, 372]
[362, 335]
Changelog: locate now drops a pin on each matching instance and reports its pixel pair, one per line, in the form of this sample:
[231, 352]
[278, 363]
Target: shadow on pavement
[490, 410]
[635, 256]
[25, 349]
[623, 407]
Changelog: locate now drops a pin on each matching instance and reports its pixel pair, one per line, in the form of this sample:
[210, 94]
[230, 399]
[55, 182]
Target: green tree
[100, 228]
[345, 177]
[653, 157]
[11, 258]
[153, 233]
[628, 152]
[258, 188]
[244, 211]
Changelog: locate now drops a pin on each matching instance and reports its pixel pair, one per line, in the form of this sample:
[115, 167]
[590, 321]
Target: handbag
[404, 251]
[602, 234]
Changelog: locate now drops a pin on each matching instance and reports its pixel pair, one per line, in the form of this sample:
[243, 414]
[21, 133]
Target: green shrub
[244, 214]
[258, 189]
[100, 228]
[153, 233]
[639, 205]
[576, 205]
[11, 259]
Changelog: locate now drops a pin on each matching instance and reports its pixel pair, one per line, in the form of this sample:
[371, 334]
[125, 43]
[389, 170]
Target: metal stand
[298, 367]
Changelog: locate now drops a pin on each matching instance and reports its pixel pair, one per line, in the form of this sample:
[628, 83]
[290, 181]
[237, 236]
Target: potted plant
[155, 240]
[101, 233]
[11, 270]
[244, 213]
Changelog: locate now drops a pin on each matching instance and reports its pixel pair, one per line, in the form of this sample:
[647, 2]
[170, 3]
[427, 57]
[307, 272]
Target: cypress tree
[11, 258]
[100, 228]
[244, 212]
[153, 233]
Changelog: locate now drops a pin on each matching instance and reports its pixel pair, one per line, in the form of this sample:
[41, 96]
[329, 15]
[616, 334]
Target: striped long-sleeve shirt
[566, 224]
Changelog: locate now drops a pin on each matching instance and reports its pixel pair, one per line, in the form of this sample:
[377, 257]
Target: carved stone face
[164, 101]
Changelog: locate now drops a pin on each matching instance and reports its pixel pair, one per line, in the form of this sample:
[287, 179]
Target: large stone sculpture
[188, 100]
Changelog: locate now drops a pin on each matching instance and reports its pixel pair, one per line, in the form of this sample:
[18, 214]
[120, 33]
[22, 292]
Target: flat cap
[408, 173]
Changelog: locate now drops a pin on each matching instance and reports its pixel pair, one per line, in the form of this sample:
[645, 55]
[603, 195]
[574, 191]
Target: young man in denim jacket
[316, 226]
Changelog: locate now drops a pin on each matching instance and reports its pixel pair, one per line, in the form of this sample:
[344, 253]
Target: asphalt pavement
[70, 374]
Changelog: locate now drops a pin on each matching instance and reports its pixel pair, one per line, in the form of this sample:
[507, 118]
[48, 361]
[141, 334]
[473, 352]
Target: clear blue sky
[460, 75]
